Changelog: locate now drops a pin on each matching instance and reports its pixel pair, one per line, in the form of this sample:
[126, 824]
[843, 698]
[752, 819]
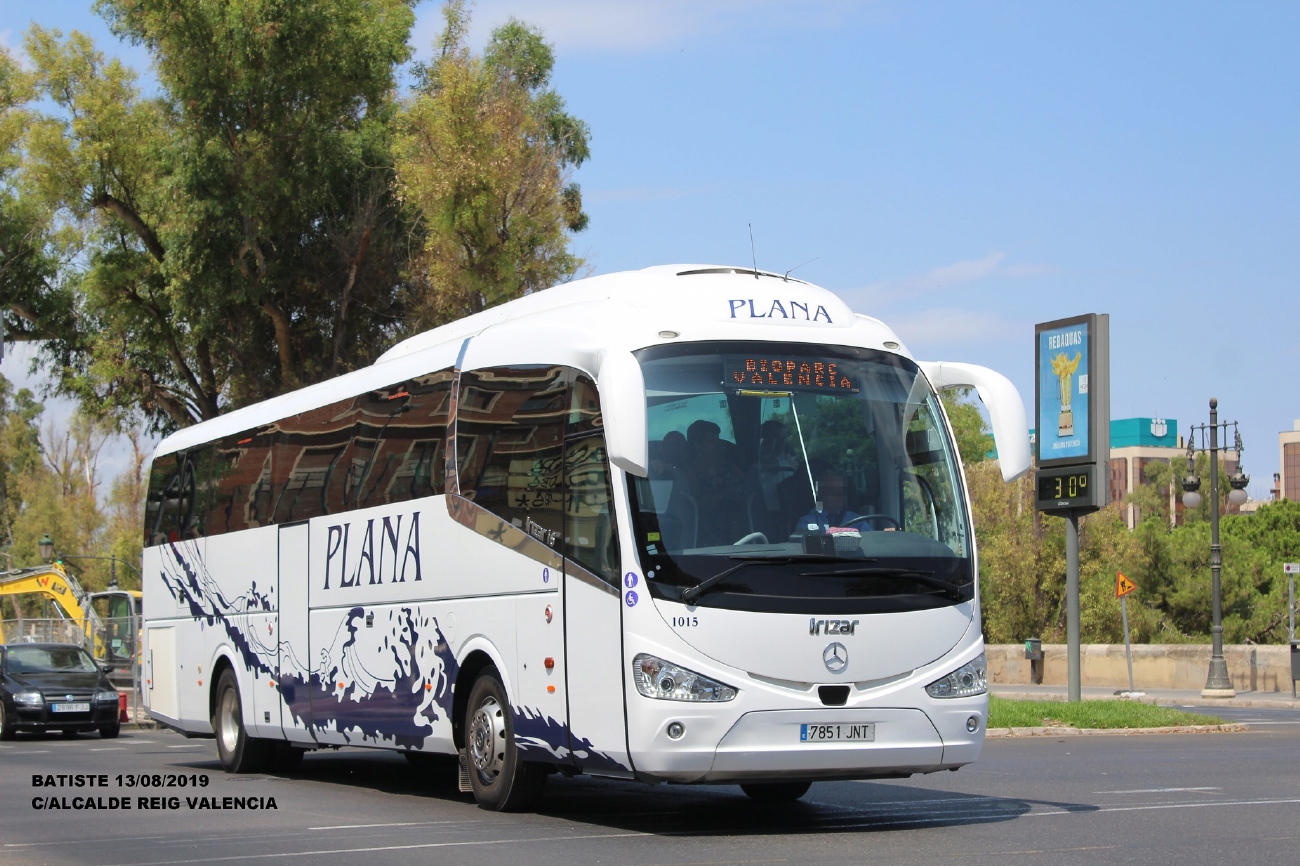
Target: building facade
[1288, 444]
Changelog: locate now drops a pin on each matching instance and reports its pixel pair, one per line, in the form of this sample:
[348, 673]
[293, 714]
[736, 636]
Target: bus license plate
[863, 733]
[70, 708]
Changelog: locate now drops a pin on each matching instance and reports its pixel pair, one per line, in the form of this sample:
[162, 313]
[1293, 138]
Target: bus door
[593, 609]
[294, 673]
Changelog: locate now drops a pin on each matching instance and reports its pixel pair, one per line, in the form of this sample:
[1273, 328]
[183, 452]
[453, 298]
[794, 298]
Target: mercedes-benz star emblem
[836, 657]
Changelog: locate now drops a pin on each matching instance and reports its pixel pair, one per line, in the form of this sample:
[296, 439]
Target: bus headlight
[656, 678]
[967, 681]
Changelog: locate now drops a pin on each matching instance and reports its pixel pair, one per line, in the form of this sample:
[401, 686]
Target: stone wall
[1155, 666]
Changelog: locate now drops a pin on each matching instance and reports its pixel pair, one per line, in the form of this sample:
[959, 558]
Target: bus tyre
[776, 792]
[500, 779]
[239, 752]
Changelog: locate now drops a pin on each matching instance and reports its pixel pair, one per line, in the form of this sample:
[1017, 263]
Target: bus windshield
[798, 478]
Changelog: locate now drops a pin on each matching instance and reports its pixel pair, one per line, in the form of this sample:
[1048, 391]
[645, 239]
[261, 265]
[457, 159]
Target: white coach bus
[687, 524]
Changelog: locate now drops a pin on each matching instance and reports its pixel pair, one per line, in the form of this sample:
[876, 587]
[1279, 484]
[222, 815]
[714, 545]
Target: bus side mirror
[622, 400]
[1006, 410]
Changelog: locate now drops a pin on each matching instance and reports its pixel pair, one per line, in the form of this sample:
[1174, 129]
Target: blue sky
[961, 170]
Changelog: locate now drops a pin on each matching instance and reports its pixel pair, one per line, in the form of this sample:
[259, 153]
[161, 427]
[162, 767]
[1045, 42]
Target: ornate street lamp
[46, 547]
[1217, 683]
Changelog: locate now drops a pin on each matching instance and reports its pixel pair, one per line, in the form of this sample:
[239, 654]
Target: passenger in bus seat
[717, 484]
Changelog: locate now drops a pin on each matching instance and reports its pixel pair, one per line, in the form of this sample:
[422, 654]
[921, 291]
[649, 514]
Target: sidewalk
[1163, 697]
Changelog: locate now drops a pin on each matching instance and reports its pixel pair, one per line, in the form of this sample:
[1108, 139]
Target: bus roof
[574, 322]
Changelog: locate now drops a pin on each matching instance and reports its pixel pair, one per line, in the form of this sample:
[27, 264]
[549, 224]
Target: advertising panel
[1072, 413]
[1063, 400]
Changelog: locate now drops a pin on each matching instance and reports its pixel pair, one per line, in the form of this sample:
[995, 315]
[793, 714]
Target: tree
[237, 234]
[968, 426]
[483, 159]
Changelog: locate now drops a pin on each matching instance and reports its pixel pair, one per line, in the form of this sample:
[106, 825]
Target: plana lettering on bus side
[378, 557]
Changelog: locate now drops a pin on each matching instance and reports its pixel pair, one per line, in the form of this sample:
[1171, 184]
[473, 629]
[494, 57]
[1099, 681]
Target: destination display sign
[788, 373]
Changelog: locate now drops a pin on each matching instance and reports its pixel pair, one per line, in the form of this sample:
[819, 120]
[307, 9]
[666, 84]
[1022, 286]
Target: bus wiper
[925, 578]
[690, 595]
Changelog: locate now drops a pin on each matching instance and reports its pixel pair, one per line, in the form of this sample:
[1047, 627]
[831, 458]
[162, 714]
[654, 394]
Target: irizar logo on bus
[796, 310]
[376, 558]
[832, 626]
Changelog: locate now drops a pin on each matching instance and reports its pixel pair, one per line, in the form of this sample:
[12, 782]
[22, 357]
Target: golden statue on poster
[1064, 369]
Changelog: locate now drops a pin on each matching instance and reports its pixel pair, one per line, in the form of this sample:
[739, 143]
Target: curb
[1062, 731]
[1245, 703]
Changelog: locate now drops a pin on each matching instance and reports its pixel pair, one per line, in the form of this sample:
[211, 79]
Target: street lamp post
[112, 568]
[1217, 684]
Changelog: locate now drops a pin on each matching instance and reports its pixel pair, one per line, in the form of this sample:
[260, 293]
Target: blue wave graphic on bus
[387, 675]
[541, 738]
[389, 683]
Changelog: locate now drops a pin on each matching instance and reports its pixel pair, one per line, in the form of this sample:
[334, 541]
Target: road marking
[70, 842]
[1215, 803]
[520, 841]
[1157, 790]
[108, 749]
[401, 824]
[187, 746]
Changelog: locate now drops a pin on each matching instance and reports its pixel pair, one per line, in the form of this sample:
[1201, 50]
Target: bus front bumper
[770, 745]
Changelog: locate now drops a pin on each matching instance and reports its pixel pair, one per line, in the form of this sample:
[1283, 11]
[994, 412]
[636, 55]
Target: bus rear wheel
[776, 792]
[239, 752]
[500, 779]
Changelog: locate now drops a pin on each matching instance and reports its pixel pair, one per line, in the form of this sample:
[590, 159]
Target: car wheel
[501, 780]
[110, 732]
[776, 792]
[239, 752]
[6, 726]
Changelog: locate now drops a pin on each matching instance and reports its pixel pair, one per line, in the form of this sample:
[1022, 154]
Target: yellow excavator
[105, 622]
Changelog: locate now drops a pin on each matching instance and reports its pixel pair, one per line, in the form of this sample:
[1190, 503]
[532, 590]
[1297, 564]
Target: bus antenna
[753, 255]
[797, 267]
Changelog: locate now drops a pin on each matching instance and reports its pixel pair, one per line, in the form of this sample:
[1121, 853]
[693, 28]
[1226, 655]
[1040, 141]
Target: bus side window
[177, 498]
[309, 450]
[590, 538]
[241, 495]
[160, 504]
[517, 417]
[412, 445]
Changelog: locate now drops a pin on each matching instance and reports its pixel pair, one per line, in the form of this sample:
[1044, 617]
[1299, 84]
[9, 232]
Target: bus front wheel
[239, 752]
[501, 780]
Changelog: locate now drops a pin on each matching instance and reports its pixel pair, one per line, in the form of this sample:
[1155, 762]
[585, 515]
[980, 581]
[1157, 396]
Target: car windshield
[828, 471]
[44, 660]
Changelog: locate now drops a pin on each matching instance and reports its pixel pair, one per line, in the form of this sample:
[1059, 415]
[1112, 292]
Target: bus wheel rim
[487, 740]
[228, 722]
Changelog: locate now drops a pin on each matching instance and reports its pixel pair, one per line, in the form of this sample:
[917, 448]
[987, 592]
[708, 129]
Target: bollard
[1034, 652]
[121, 707]
[1295, 664]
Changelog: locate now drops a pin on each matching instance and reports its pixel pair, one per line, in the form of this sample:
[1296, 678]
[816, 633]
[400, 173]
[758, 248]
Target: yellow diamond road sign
[1123, 586]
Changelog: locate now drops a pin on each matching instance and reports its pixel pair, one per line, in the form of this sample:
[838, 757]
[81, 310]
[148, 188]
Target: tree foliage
[51, 483]
[275, 214]
[968, 426]
[483, 155]
[1022, 568]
